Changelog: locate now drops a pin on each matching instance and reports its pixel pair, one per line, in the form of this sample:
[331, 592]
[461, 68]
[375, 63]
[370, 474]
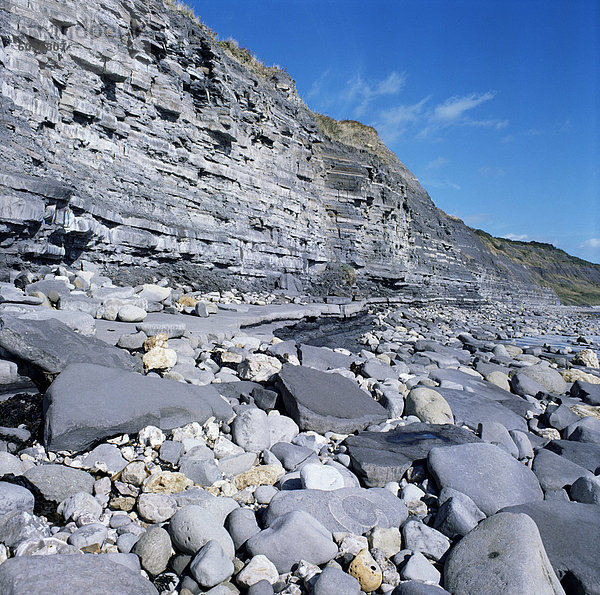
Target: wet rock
[380, 457]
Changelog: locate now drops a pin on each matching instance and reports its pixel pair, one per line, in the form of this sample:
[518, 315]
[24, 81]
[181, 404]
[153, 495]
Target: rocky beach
[242, 350]
[163, 440]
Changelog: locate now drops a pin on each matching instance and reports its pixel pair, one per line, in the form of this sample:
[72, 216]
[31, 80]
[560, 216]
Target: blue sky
[493, 105]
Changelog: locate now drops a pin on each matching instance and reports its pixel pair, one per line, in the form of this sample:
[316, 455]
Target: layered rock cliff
[574, 280]
[132, 138]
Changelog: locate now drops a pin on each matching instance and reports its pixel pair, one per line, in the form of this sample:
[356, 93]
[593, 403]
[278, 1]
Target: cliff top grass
[574, 280]
[231, 47]
[354, 134]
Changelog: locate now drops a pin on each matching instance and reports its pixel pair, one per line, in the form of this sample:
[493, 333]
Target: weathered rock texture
[131, 137]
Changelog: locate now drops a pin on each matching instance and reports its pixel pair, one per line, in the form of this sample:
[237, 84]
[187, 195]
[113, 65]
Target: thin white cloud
[358, 89]
[390, 85]
[453, 108]
[454, 112]
[517, 237]
[436, 163]
[491, 172]
[591, 244]
[477, 218]
[317, 86]
[440, 184]
[393, 122]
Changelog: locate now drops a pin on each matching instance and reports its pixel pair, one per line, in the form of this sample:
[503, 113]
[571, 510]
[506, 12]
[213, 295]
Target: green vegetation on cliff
[575, 281]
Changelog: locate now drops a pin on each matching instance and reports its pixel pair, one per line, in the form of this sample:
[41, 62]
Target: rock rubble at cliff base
[159, 440]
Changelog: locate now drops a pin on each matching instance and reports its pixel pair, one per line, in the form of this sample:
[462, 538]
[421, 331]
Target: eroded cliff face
[131, 138]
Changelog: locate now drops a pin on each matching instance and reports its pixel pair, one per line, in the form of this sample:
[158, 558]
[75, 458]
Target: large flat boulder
[51, 345]
[486, 473]
[380, 457]
[585, 454]
[555, 472]
[472, 408]
[325, 402]
[570, 533]
[87, 403]
[64, 573]
[352, 510]
[503, 554]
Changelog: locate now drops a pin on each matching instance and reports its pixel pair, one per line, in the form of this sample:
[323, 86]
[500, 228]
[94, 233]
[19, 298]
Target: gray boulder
[587, 392]
[88, 402]
[584, 454]
[418, 588]
[250, 430]
[381, 457]
[522, 385]
[293, 537]
[503, 554]
[570, 532]
[351, 510]
[586, 490]
[57, 482]
[51, 346]
[472, 408]
[211, 565]
[322, 358]
[326, 402]
[586, 429]
[93, 575]
[334, 581]
[457, 514]
[548, 377]
[191, 527]
[555, 472]
[486, 473]
[14, 498]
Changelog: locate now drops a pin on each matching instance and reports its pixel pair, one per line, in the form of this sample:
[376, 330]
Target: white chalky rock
[260, 568]
[320, 477]
[259, 367]
[151, 436]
